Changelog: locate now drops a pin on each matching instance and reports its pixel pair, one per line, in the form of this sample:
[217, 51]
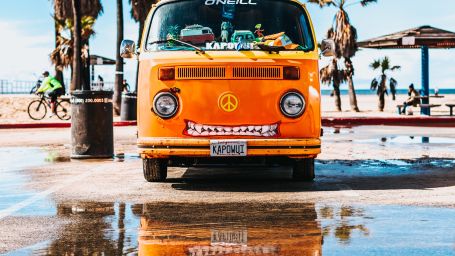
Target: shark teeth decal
[203, 130]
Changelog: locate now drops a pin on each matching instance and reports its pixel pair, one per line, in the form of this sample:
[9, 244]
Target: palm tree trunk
[86, 85]
[336, 89]
[58, 68]
[77, 60]
[141, 28]
[121, 227]
[381, 91]
[381, 101]
[352, 94]
[119, 61]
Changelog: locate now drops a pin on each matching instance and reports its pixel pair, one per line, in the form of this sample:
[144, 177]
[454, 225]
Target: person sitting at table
[413, 100]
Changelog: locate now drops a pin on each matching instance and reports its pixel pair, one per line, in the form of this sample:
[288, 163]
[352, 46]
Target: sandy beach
[14, 107]
[368, 105]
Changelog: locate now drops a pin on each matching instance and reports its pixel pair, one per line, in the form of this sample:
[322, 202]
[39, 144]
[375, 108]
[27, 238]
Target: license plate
[229, 237]
[228, 148]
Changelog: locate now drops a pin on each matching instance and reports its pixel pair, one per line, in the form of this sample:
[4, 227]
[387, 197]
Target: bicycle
[37, 109]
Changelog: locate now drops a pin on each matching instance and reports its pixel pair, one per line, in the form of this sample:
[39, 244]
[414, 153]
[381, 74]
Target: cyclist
[53, 88]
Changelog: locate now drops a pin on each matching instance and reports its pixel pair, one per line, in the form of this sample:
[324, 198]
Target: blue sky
[27, 38]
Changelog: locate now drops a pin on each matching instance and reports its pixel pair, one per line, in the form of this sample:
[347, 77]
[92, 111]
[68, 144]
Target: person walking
[126, 86]
[53, 88]
[100, 82]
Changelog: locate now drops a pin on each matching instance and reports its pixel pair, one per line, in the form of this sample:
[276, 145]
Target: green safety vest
[50, 83]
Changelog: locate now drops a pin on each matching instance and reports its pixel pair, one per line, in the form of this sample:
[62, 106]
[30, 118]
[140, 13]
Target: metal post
[426, 79]
[93, 74]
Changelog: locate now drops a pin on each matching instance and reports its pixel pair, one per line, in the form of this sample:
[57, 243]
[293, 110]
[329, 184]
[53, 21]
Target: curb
[326, 121]
[391, 121]
[57, 125]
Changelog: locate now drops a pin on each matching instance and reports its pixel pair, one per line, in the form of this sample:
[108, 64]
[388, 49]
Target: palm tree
[119, 61]
[62, 55]
[77, 58]
[331, 74]
[58, 64]
[89, 12]
[380, 83]
[345, 37]
[139, 12]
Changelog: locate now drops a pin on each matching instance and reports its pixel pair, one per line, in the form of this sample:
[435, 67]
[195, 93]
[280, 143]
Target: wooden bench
[451, 106]
[428, 106]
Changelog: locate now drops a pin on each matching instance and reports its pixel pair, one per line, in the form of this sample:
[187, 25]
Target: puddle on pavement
[249, 229]
[383, 168]
[122, 157]
[410, 140]
[338, 130]
[16, 158]
[13, 179]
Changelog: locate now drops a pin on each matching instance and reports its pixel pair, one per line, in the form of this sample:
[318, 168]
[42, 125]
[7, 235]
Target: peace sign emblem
[228, 102]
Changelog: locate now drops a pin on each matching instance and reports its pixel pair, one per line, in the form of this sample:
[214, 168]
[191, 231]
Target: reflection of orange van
[224, 102]
[225, 230]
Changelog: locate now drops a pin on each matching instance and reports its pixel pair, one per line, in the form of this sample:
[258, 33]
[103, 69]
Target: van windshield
[230, 25]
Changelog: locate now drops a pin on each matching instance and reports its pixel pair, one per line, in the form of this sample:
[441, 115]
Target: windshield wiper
[198, 50]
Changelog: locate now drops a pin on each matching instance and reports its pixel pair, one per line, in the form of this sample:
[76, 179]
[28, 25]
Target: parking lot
[386, 190]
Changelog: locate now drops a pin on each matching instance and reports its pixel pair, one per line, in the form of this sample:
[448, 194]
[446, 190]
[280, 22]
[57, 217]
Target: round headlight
[292, 104]
[165, 105]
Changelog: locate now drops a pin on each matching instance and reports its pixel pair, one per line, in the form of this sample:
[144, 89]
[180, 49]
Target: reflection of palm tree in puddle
[91, 233]
[343, 227]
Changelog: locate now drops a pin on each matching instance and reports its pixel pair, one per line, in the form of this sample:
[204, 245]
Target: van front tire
[303, 170]
[155, 170]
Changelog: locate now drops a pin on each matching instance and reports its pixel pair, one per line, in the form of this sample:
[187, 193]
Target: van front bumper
[167, 147]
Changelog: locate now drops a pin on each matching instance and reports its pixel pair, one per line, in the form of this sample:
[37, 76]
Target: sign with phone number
[90, 100]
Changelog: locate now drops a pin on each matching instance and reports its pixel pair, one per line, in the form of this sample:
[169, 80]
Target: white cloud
[22, 53]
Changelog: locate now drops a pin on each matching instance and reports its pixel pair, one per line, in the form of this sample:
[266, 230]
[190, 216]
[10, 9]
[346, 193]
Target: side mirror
[328, 48]
[128, 49]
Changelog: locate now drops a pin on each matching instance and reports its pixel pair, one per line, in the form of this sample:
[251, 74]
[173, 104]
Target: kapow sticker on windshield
[229, 46]
[243, 2]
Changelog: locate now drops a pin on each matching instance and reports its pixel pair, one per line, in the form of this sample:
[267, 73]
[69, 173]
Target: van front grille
[217, 73]
[201, 73]
[257, 72]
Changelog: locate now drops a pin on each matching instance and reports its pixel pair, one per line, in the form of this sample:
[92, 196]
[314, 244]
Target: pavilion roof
[413, 38]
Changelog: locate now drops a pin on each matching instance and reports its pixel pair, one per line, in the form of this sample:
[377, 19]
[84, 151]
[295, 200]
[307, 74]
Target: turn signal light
[167, 74]
[291, 73]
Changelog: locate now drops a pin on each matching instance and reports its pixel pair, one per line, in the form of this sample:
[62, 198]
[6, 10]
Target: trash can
[129, 107]
[92, 131]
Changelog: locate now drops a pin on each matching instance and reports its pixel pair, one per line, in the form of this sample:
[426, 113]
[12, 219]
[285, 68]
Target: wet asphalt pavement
[379, 191]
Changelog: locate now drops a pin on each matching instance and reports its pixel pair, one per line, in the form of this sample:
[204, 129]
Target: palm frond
[376, 64]
[367, 2]
[64, 10]
[374, 84]
[322, 3]
[141, 8]
[62, 55]
[345, 36]
[385, 64]
[332, 74]
[393, 87]
[395, 68]
[325, 74]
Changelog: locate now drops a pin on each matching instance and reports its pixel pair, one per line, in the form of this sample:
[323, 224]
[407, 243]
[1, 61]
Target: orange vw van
[228, 101]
